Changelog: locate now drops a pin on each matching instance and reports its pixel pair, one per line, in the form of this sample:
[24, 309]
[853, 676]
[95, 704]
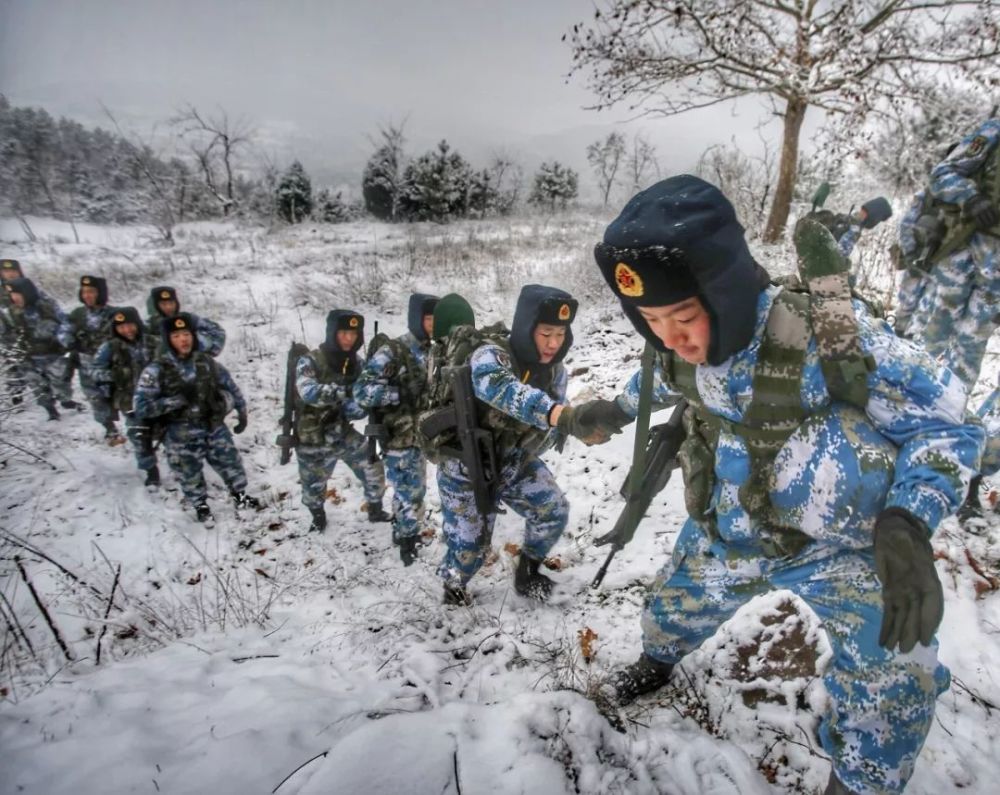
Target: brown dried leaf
[263, 573]
[553, 564]
[512, 549]
[587, 636]
[261, 551]
[195, 579]
[333, 497]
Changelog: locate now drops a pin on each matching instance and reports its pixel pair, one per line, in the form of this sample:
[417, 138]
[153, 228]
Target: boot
[152, 477]
[52, 410]
[456, 595]
[243, 500]
[835, 787]
[529, 581]
[972, 508]
[111, 435]
[408, 546]
[376, 514]
[202, 513]
[318, 524]
[70, 404]
[643, 676]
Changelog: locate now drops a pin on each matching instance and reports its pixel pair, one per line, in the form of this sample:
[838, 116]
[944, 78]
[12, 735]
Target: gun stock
[287, 439]
[478, 452]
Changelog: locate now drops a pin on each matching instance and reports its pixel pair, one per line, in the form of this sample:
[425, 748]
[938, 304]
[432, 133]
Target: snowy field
[254, 658]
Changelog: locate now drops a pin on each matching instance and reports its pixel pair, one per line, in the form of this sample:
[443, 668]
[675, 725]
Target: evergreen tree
[331, 208]
[436, 186]
[382, 179]
[555, 184]
[294, 194]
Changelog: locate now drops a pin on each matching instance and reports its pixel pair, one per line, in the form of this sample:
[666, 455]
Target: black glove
[912, 597]
[981, 211]
[241, 423]
[876, 211]
[593, 422]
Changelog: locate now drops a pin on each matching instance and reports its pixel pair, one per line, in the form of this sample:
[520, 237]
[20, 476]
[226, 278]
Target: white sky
[318, 77]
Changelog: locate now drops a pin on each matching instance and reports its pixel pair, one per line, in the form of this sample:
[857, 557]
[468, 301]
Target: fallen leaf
[263, 573]
[195, 579]
[587, 636]
[512, 549]
[262, 551]
[553, 564]
[333, 497]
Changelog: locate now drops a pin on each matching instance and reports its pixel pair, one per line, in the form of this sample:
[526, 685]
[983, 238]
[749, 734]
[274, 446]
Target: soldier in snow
[163, 303]
[822, 451]
[191, 393]
[115, 369]
[90, 326]
[391, 383]
[323, 383]
[36, 335]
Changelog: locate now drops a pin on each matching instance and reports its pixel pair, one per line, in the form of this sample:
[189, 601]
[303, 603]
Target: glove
[593, 422]
[876, 211]
[241, 423]
[912, 597]
[981, 212]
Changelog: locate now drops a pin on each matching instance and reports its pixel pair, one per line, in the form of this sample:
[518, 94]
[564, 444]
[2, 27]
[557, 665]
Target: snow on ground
[253, 657]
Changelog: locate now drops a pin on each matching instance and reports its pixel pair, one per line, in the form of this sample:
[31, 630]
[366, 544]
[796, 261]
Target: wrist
[554, 414]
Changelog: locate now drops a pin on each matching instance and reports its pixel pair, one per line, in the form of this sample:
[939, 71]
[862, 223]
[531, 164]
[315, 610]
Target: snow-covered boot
[836, 787]
[456, 595]
[152, 477]
[202, 512]
[529, 581]
[643, 676]
[243, 500]
[972, 508]
[52, 410]
[408, 546]
[318, 524]
[376, 514]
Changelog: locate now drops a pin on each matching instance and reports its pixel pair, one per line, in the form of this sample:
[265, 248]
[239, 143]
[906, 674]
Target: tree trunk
[795, 112]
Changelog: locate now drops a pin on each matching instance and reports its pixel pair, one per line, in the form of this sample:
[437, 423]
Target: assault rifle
[643, 483]
[375, 431]
[288, 439]
[476, 450]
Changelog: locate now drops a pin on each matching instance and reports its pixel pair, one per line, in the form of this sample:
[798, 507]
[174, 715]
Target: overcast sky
[317, 77]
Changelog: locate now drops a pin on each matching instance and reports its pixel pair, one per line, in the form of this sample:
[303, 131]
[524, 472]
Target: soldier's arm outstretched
[494, 383]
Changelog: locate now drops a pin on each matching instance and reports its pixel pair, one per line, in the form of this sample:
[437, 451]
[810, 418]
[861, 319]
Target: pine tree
[331, 207]
[383, 175]
[555, 184]
[436, 186]
[294, 194]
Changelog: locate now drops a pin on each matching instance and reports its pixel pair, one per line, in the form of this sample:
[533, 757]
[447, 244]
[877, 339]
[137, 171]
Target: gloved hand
[876, 211]
[981, 211]
[593, 422]
[912, 597]
[241, 423]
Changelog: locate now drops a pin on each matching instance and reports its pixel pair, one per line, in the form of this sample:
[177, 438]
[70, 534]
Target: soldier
[10, 269]
[37, 333]
[323, 380]
[191, 393]
[797, 474]
[91, 325]
[522, 382]
[116, 368]
[956, 314]
[848, 227]
[392, 381]
[163, 303]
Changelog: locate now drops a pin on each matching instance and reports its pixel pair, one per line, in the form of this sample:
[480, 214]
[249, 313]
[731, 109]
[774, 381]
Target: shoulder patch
[978, 145]
[503, 359]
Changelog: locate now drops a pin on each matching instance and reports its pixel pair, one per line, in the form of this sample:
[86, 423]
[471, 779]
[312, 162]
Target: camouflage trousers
[316, 464]
[189, 446]
[911, 290]
[526, 486]
[957, 313]
[44, 377]
[989, 412]
[881, 703]
[140, 437]
[406, 471]
[99, 405]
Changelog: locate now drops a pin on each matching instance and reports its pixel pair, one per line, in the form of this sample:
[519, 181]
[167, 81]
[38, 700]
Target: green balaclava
[452, 311]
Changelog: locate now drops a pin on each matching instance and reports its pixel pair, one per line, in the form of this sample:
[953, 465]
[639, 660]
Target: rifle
[476, 451]
[654, 457]
[375, 431]
[288, 439]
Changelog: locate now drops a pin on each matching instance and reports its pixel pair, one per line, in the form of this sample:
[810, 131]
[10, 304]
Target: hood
[125, 314]
[182, 320]
[162, 293]
[99, 283]
[540, 304]
[677, 239]
[25, 287]
[420, 304]
[343, 362]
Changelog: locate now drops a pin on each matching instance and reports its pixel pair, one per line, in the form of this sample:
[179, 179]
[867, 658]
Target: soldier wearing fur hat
[164, 303]
[191, 394]
[795, 476]
[10, 269]
[115, 369]
[91, 326]
[519, 379]
[392, 381]
[36, 335]
[324, 379]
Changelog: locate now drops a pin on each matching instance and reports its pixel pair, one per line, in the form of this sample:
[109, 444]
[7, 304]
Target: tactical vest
[35, 345]
[508, 432]
[957, 230]
[411, 378]
[314, 420]
[125, 371]
[209, 407]
[88, 339]
[775, 411]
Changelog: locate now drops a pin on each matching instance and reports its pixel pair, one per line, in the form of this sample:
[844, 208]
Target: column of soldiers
[160, 376]
[820, 450]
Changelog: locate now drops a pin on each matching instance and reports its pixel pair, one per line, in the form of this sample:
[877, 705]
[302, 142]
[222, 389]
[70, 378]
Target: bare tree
[605, 158]
[745, 180]
[673, 56]
[215, 142]
[641, 164]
